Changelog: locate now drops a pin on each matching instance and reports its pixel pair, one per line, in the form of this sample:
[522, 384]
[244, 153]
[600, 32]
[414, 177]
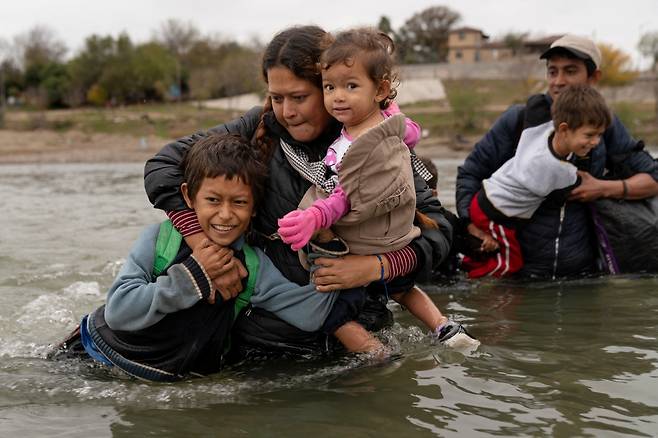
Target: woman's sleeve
[432, 247]
[163, 175]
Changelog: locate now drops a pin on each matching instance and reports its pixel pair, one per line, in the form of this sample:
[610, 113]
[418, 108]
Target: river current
[564, 358]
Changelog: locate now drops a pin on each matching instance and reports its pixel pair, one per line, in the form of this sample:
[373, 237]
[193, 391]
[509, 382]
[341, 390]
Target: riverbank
[47, 146]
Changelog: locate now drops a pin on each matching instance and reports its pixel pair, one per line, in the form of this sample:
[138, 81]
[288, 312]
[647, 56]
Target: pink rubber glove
[297, 227]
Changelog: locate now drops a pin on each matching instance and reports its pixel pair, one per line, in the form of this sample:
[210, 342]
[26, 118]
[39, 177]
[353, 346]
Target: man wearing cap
[557, 240]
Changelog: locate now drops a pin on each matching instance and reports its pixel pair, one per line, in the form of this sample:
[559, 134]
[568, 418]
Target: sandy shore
[77, 147]
[74, 147]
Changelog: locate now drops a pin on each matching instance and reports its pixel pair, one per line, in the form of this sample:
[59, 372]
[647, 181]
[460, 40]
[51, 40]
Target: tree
[3, 52]
[87, 68]
[155, 69]
[40, 55]
[424, 37]
[134, 74]
[515, 41]
[221, 68]
[385, 26]
[39, 45]
[178, 37]
[648, 46]
[616, 66]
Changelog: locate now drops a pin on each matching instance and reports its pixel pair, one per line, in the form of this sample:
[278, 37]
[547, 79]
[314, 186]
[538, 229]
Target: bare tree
[178, 37]
[385, 26]
[3, 54]
[515, 41]
[648, 46]
[38, 46]
[424, 37]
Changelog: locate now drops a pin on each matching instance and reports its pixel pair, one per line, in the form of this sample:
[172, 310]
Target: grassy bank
[472, 107]
[163, 120]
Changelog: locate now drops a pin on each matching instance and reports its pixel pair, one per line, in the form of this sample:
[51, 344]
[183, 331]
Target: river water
[573, 358]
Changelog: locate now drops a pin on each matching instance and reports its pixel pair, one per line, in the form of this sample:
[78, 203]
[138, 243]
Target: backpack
[168, 245]
[626, 230]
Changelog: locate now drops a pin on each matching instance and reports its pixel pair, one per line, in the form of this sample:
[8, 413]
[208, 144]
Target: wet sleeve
[301, 306]
[137, 300]
[432, 247]
[620, 143]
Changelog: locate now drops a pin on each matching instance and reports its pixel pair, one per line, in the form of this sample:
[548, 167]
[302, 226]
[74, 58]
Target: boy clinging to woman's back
[539, 170]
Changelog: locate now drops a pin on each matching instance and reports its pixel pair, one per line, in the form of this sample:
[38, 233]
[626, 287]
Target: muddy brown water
[570, 358]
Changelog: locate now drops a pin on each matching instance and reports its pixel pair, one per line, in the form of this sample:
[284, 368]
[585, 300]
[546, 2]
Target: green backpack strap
[251, 259]
[166, 247]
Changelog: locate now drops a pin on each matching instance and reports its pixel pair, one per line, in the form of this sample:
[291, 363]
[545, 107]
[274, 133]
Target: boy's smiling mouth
[223, 228]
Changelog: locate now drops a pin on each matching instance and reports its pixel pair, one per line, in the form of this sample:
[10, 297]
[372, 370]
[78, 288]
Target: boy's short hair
[224, 155]
[580, 105]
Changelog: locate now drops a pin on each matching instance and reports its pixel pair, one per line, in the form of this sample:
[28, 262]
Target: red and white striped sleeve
[401, 262]
[185, 221]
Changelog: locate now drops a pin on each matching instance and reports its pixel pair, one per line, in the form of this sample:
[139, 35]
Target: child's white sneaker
[452, 334]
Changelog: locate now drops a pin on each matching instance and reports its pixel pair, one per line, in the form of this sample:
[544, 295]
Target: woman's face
[298, 104]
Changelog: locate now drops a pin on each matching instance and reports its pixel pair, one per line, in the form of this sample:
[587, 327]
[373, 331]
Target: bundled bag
[627, 230]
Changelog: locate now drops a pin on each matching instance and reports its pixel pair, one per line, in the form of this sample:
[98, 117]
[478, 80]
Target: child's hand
[489, 244]
[229, 284]
[212, 257]
[221, 267]
[297, 227]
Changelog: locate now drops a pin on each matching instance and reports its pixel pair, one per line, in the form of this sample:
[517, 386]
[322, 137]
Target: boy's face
[350, 95]
[224, 208]
[582, 140]
[562, 72]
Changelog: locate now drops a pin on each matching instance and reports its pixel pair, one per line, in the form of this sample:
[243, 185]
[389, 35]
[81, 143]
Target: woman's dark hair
[375, 50]
[224, 155]
[298, 49]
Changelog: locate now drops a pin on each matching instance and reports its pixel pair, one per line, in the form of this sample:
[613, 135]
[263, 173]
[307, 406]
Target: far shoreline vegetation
[471, 106]
[153, 92]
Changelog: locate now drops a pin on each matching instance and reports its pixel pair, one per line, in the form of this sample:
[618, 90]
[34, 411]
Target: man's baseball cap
[581, 47]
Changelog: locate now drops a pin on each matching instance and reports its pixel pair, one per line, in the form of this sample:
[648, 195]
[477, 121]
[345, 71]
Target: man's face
[562, 72]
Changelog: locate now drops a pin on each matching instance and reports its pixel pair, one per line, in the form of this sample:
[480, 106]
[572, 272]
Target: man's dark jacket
[550, 248]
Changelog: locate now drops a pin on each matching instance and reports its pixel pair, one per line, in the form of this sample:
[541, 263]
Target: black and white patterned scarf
[316, 171]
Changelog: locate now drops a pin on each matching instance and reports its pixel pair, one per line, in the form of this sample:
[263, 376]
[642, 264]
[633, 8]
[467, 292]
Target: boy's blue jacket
[166, 322]
[576, 252]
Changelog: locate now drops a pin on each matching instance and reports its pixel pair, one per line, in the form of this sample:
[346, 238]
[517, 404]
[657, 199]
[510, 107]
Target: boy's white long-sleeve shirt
[518, 187]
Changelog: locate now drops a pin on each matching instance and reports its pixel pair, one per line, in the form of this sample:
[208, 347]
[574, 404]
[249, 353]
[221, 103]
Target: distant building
[465, 45]
[468, 45]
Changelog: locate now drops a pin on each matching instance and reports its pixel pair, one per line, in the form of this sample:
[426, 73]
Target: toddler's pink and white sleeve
[412, 131]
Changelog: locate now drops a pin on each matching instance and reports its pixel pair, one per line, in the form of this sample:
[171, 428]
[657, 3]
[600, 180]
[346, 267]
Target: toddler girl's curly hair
[375, 50]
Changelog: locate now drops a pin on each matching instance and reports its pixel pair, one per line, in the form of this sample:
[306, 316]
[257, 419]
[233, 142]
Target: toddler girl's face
[349, 93]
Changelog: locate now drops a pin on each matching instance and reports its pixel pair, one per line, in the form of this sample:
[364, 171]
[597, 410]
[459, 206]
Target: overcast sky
[619, 23]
